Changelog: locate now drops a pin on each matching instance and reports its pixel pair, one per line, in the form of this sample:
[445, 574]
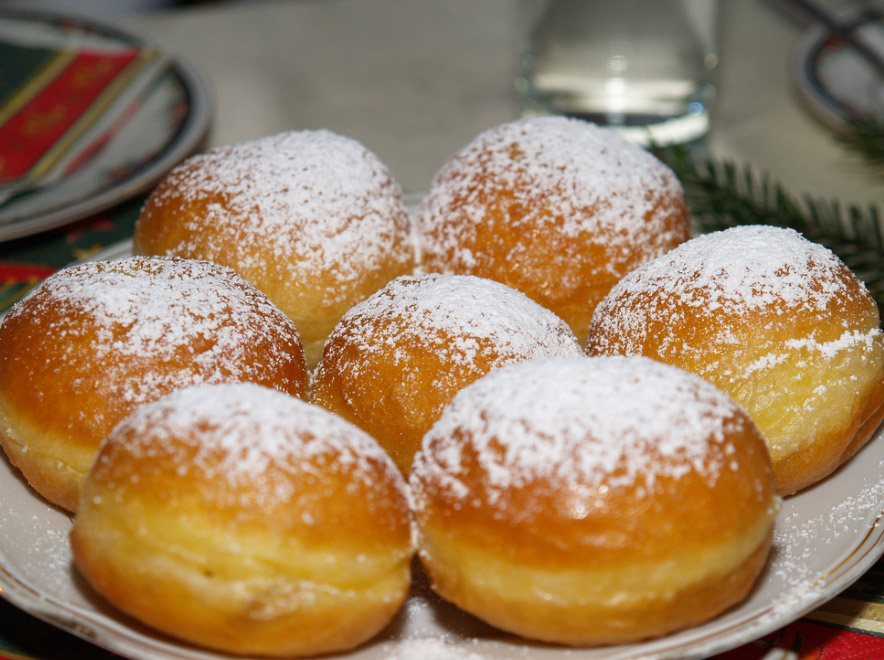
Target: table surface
[415, 81]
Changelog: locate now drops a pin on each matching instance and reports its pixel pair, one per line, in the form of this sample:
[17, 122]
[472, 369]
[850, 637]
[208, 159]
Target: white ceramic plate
[825, 538]
[838, 85]
[172, 120]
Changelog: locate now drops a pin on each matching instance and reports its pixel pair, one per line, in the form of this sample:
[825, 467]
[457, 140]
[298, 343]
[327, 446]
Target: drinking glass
[644, 67]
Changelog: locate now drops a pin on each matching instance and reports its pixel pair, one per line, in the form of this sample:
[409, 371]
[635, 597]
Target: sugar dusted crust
[623, 469]
[619, 422]
[557, 208]
[94, 341]
[244, 520]
[311, 218]
[775, 320]
[396, 359]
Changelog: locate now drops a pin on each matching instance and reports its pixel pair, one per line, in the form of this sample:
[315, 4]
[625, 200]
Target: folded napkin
[61, 102]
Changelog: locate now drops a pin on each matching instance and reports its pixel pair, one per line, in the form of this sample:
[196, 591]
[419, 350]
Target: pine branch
[865, 138]
[723, 194]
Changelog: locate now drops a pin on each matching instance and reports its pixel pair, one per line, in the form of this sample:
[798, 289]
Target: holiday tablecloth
[26, 261]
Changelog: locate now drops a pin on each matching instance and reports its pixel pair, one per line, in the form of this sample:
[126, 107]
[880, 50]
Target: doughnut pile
[580, 419]
[395, 360]
[557, 208]
[588, 501]
[778, 322]
[96, 340]
[311, 218]
[248, 521]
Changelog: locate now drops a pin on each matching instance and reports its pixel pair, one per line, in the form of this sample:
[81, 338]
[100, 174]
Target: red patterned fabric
[55, 109]
[23, 273]
[807, 640]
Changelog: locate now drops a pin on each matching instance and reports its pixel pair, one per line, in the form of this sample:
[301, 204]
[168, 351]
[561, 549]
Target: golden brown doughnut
[395, 360]
[94, 341]
[311, 218]
[248, 521]
[589, 501]
[557, 208]
[775, 320]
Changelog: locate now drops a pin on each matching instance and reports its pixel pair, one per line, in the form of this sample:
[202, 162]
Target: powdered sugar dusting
[747, 267]
[585, 179]
[738, 270]
[459, 317]
[314, 198]
[844, 519]
[240, 429]
[145, 315]
[581, 421]
[737, 289]
[822, 539]
[431, 648]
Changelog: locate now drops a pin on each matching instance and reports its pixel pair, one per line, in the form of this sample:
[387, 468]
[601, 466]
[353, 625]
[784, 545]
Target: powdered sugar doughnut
[396, 360]
[557, 208]
[588, 501]
[96, 340]
[775, 320]
[311, 218]
[241, 519]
